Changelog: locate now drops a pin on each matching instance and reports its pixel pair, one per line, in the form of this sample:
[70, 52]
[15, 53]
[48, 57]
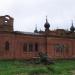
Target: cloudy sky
[29, 13]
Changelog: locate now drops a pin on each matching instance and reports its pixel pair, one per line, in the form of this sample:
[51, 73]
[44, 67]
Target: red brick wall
[16, 42]
[59, 55]
[16, 46]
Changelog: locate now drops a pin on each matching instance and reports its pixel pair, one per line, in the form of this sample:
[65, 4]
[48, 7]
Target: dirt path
[73, 72]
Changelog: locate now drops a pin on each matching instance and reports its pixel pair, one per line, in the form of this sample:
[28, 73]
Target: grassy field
[63, 67]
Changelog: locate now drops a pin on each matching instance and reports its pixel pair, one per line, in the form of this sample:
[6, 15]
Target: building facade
[57, 44]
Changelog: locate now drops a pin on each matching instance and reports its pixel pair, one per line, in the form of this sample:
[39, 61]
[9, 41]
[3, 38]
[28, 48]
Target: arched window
[25, 47]
[30, 47]
[6, 45]
[59, 47]
[36, 47]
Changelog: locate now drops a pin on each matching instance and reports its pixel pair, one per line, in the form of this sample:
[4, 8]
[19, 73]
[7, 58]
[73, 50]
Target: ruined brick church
[57, 44]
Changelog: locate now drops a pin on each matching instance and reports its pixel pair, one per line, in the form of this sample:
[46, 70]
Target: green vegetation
[63, 67]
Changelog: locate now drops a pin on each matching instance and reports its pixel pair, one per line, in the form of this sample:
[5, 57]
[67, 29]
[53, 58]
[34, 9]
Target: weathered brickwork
[58, 44]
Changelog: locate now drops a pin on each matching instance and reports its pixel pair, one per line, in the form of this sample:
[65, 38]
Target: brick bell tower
[6, 23]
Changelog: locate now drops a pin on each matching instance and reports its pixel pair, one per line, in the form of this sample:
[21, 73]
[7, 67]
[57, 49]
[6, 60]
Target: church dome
[36, 31]
[46, 25]
[72, 28]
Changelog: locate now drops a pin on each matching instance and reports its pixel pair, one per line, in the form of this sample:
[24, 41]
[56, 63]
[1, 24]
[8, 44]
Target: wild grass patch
[63, 67]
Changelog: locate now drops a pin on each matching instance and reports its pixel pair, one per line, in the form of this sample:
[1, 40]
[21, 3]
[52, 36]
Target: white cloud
[28, 13]
[5, 6]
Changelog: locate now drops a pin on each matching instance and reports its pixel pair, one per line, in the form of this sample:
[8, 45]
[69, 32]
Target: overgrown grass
[63, 67]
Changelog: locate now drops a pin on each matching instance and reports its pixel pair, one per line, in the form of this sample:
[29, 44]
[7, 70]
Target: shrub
[44, 59]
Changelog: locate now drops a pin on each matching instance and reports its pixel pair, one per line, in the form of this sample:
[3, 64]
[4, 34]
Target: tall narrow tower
[6, 23]
[72, 28]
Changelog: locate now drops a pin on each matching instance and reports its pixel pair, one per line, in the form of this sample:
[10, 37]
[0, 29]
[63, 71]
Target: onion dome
[36, 31]
[72, 28]
[46, 25]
